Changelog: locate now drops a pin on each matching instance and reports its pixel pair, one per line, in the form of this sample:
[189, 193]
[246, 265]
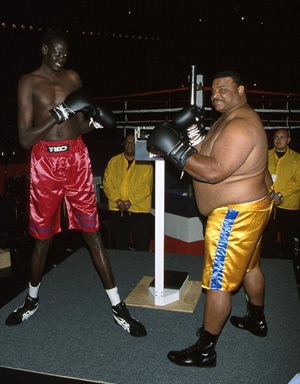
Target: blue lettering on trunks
[35, 228]
[86, 222]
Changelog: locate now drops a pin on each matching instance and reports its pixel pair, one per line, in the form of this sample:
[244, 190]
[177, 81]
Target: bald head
[281, 140]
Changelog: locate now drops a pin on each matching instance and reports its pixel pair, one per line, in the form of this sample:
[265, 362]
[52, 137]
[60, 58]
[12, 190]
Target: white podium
[168, 285]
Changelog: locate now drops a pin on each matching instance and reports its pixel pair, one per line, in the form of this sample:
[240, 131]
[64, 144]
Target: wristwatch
[280, 195]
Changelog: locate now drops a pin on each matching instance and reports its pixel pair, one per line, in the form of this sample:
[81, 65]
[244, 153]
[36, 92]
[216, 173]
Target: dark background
[264, 47]
[121, 47]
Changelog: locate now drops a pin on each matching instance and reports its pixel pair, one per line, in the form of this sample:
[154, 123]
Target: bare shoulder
[73, 76]
[38, 76]
[244, 120]
[26, 79]
[26, 84]
[29, 79]
[242, 131]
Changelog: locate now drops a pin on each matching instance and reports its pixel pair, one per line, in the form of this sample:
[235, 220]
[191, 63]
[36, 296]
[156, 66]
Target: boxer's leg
[102, 264]
[202, 353]
[38, 260]
[254, 320]
[31, 303]
[254, 285]
[100, 258]
[217, 310]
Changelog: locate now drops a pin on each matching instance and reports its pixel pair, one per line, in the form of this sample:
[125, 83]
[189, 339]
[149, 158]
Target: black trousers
[287, 223]
[137, 223]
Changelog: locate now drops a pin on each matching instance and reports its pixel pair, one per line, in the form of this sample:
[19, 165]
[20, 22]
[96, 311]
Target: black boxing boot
[254, 321]
[201, 354]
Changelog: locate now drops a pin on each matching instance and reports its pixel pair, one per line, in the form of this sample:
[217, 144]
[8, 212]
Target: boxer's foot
[254, 321]
[24, 312]
[126, 321]
[201, 354]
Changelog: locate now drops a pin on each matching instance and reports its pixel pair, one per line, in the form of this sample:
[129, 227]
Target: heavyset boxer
[233, 188]
[53, 112]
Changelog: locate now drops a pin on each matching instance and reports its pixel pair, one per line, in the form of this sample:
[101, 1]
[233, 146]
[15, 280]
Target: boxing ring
[276, 109]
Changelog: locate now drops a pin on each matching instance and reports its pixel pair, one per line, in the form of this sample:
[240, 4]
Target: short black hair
[129, 132]
[55, 34]
[236, 78]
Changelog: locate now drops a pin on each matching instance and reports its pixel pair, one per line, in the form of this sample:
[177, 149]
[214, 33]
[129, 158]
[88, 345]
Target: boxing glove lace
[76, 101]
[100, 116]
[190, 122]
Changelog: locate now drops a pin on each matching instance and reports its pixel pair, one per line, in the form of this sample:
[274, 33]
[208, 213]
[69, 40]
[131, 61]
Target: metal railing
[278, 114]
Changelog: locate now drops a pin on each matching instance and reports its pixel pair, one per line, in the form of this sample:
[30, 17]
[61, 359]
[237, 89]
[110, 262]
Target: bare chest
[211, 138]
[50, 93]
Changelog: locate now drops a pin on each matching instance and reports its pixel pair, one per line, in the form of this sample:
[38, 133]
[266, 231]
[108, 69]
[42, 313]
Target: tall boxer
[51, 118]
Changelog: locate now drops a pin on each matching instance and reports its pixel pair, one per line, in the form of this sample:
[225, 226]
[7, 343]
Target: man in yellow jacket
[284, 167]
[128, 187]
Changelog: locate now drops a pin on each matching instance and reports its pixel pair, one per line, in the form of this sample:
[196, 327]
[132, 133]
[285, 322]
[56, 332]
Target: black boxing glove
[165, 138]
[76, 101]
[190, 122]
[101, 117]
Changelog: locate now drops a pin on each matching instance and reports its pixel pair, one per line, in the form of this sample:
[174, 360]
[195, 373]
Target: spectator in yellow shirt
[284, 167]
[127, 184]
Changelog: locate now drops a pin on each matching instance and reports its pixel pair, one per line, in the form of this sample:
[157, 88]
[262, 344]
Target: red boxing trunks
[61, 171]
[232, 243]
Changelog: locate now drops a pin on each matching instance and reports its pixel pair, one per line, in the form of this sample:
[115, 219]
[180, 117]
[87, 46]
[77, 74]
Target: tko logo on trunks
[58, 148]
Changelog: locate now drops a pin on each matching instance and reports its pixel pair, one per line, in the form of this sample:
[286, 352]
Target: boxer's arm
[29, 135]
[84, 126]
[268, 179]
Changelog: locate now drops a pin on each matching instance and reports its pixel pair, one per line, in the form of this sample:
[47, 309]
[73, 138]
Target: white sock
[113, 295]
[33, 291]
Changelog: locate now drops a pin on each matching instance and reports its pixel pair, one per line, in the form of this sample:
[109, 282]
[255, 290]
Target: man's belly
[212, 196]
[69, 130]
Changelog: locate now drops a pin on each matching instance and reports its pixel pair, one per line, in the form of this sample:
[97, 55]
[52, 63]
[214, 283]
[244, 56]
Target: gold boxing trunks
[232, 243]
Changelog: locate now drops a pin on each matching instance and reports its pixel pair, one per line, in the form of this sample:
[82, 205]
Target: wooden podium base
[139, 297]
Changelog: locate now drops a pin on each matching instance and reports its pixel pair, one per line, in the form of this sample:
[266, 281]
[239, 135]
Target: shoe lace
[125, 310]
[191, 349]
[122, 311]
